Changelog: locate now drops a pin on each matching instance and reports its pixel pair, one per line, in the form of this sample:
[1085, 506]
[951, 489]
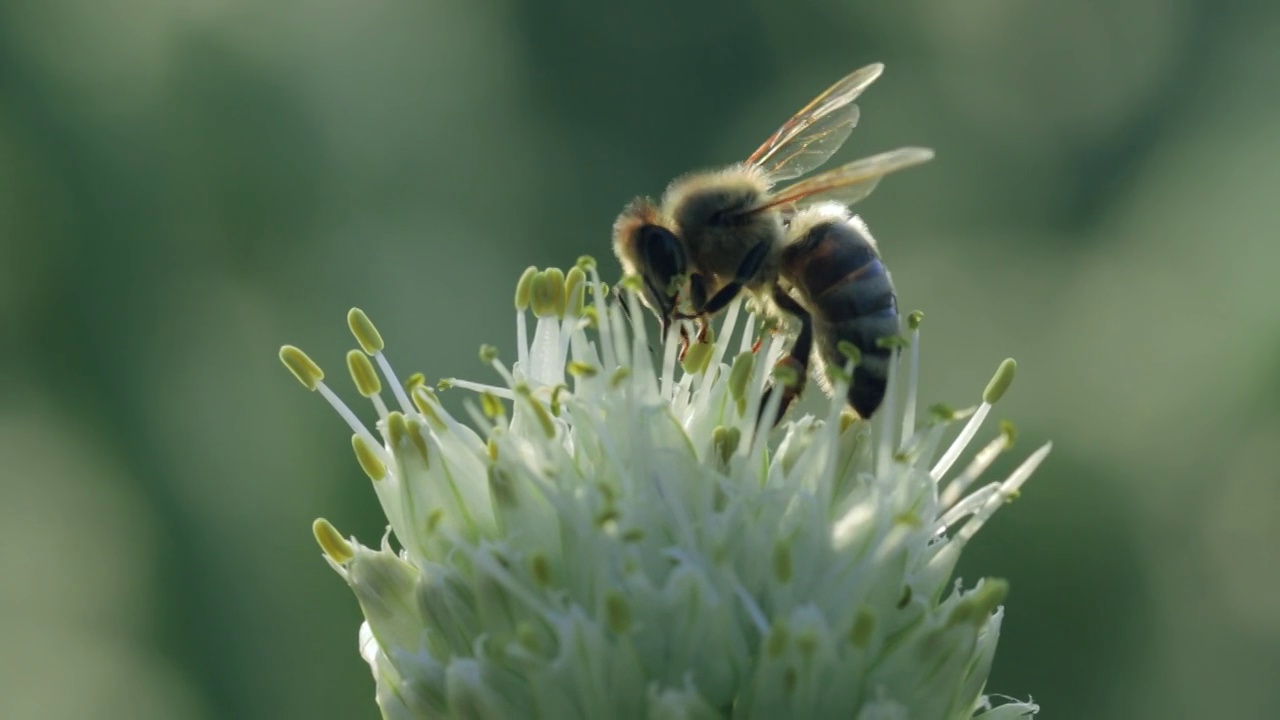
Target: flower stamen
[996, 389]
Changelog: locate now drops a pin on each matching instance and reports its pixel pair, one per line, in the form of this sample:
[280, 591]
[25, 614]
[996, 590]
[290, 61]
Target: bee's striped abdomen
[849, 291]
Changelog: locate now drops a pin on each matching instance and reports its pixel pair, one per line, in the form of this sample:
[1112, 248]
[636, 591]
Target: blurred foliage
[186, 185]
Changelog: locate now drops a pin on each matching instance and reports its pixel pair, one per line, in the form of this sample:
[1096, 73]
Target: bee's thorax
[708, 212]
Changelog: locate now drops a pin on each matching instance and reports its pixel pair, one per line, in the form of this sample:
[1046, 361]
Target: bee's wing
[814, 134]
[812, 146]
[848, 183]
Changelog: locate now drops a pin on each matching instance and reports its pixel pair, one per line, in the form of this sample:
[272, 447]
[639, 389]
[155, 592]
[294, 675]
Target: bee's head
[647, 248]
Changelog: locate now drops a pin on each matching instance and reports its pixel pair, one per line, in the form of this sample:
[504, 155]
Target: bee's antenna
[621, 298]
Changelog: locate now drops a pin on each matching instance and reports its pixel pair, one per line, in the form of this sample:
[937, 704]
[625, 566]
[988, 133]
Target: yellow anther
[740, 374]
[725, 441]
[849, 351]
[1000, 382]
[425, 401]
[543, 294]
[540, 411]
[556, 288]
[893, 342]
[632, 283]
[697, 358]
[524, 288]
[491, 405]
[1010, 433]
[368, 459]
[577, 368]
[307, 372]
[575, 290]
[786, 375]
[366, 334]
[363, 374]
[406, 434]
[332, 542]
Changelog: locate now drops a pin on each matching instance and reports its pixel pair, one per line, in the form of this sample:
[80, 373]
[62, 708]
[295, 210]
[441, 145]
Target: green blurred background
[187, 184]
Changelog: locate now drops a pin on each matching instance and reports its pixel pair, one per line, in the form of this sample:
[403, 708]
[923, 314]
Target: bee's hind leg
[796, 362]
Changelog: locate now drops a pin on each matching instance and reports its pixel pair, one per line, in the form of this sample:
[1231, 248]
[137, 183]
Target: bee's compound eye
[662, 252]
[655, 234]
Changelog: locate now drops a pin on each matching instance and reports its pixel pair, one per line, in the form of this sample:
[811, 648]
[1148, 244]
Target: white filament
[961, 442]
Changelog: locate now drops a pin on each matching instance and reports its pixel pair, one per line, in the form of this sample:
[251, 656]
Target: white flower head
[615, 537]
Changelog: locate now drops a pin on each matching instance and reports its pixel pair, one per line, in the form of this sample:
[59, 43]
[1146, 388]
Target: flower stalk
[614, 535]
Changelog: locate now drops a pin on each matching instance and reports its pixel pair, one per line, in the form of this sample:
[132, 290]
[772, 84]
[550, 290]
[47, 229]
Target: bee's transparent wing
[814, 134]
[813, 146]
[848, 183]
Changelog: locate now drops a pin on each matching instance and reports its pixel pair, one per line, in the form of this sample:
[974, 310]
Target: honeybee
[797, 248]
